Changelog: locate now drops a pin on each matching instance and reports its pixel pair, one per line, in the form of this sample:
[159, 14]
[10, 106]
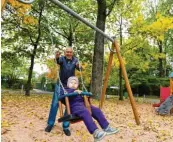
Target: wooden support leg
[171, 86]
[67, 105]
[129, 90]
[171, 111]
[116, 47]
[102, 98]
[60, 108]
[3, 3]
[87, 104]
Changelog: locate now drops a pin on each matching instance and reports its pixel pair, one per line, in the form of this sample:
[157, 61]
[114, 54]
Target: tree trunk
[98, 58]
[28, 86]
[35, 44]
[120, 72]
[70, 37]
[161, 70]
[120, 85]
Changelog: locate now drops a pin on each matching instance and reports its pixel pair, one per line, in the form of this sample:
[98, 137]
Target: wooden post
[60, 108]
[87, 104]
[116, 47]
[102, 97]
[67, 105]
[3, 3]
[127, 83]
[171, 86]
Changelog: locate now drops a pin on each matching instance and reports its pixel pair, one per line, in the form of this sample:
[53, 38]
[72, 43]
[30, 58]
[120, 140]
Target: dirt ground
[24, 120]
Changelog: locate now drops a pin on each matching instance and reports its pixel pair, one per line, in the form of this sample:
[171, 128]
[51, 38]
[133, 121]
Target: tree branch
[110, 7]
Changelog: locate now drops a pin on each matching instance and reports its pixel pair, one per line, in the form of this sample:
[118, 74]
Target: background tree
[103, 10]
[13, 69]
[28, 23]
[154, 27]
[138, 29]
[118, 23]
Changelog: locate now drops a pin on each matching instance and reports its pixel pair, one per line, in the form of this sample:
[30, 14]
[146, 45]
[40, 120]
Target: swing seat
[69, 117]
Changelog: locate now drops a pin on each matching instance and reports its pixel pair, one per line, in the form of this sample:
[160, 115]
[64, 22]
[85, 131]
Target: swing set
[115, 49]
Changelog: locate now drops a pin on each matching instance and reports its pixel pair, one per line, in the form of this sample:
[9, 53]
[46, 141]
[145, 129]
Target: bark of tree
[120, 72]
[35, 45]
[28, 86]
[161, 70]
[70, 36]
[98, 58]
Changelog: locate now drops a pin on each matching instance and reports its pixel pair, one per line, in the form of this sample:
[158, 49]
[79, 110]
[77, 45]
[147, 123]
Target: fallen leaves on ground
[25, 118]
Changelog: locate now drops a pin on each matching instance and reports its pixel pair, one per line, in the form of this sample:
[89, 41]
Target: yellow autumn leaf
[30, 20]
[5, 124]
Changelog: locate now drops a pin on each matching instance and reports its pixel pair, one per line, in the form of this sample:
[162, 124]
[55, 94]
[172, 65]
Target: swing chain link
[52, 50]
[80, 70]
[110, 49]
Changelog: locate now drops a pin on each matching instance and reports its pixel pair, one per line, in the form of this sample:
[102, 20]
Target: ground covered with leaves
[24, 120]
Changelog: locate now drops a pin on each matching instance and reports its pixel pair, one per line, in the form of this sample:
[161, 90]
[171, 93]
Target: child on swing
[78, 108]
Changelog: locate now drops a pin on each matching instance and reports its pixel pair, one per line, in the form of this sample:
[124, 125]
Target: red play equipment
[164, 94]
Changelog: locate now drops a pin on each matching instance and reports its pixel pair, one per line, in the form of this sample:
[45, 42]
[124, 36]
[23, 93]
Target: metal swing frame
[115, 49]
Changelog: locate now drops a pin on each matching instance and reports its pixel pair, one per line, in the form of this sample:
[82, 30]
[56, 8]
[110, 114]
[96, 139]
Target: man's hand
[79, 66]
[57, 54]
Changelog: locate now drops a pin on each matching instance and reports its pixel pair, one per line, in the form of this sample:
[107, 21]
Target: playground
[24, 119]
[115, 55]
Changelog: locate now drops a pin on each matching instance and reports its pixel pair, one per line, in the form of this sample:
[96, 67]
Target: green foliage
[71, 32]
[140, 32]
[142, 23]
[13, 68]
[168, 44]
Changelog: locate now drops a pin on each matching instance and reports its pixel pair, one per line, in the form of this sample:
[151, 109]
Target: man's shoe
[48, 128]
[67, 132]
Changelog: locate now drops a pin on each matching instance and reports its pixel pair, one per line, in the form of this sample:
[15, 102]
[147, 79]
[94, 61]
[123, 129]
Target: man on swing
[68, 63]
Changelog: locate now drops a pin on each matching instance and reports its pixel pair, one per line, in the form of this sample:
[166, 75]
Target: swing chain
[110, 49]
[80, 70]
[52, 50]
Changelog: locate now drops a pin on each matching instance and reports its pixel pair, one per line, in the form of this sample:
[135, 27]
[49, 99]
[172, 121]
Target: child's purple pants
[82, 111]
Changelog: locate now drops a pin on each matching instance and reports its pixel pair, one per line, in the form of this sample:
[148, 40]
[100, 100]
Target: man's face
[69, 53]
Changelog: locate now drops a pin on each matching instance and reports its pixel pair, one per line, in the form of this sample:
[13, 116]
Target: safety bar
[74, 94]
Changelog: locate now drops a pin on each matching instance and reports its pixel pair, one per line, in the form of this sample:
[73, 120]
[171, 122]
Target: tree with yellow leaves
[25, 20]
[52, 73]
[155, 30]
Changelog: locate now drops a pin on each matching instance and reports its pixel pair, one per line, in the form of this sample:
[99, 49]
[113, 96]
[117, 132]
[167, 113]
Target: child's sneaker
[109, 130]
[98, 135]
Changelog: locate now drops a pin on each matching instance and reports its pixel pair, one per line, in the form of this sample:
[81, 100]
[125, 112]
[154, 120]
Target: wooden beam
[67, 105]
[171, 86]
[132, 101]
[3, 3]
[102, 97]
[87, 105]
[60, 108]
[115, 47]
